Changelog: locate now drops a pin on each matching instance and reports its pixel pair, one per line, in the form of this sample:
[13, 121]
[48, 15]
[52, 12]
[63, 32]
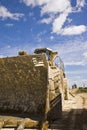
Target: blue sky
[57, 24]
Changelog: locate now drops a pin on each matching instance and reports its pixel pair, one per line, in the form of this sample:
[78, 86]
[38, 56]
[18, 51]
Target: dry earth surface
[74, 114]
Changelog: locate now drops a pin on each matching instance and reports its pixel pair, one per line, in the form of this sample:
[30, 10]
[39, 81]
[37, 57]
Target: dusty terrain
[74, 114]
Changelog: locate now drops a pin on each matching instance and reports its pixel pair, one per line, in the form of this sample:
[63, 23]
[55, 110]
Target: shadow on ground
[76, 119]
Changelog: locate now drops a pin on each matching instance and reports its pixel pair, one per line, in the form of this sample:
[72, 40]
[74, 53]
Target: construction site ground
[74, 116]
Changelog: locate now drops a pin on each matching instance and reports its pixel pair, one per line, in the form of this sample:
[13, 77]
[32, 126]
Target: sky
[57, 24]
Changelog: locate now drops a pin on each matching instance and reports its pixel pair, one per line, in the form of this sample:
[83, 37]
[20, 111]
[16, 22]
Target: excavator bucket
[23, 85]
[32, 87]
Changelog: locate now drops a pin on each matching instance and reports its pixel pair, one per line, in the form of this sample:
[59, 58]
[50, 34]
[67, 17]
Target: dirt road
[74, 114]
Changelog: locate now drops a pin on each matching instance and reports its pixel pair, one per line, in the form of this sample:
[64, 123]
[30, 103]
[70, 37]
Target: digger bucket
[23, 85]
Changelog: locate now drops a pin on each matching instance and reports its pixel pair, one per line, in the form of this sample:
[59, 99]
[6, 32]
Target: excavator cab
[50, 55]
[45, 51]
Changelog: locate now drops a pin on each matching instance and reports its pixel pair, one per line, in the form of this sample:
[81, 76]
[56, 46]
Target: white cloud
[80, 3]
[51, 37]
[71, 47]
[77, 72]
[55, 6]
[60, 9]
[11, 51]
[5, 13]
[76, 63]
[8, 47]
[35, 2]
[72, 52]
[74, 30]
[59, 22]
[69, 20]
[49, 6]
[46, 20]
[83, 80]
[9, 24]
[85, 54]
